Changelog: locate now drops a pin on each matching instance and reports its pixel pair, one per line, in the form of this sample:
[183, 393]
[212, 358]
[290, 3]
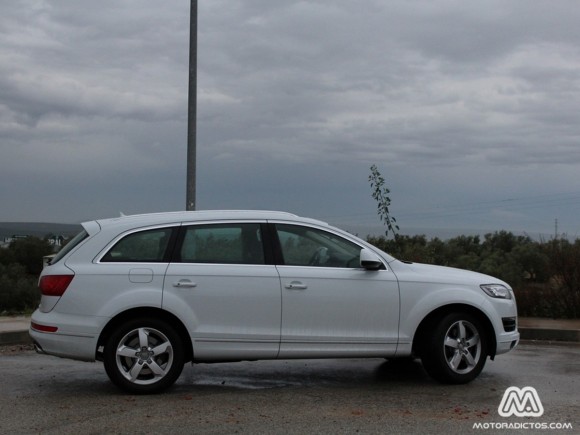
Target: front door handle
[184, 283]
[296, 285]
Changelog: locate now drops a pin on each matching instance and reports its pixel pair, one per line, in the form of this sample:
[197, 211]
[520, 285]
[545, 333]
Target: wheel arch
[145, 312]
[429, 321]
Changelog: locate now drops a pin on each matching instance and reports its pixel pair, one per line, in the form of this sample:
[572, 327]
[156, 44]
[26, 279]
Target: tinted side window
[303, 246]
[145, 247]
[223, 244]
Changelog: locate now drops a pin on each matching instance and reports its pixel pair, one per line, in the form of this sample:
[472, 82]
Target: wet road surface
[42, 394]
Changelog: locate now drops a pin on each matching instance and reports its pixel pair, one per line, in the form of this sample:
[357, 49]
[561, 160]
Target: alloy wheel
[144, 356]
[462, 347]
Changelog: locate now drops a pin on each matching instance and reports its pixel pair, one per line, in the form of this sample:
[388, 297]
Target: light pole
[192, 111]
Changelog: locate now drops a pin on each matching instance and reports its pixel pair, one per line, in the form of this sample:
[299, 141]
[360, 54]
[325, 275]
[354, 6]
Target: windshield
[69, 246]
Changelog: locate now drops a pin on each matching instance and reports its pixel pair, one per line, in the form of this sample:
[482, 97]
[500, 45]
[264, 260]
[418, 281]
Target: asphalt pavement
[43, 395]
[14, 329]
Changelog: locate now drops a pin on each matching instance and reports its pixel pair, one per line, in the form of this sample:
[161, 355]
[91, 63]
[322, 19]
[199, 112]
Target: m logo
[523, 402]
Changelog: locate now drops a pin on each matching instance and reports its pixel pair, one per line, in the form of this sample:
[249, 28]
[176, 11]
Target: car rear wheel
[144, 356]
[457, 350]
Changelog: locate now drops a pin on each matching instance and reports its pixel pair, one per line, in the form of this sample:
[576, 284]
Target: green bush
[544, 300]
[20, 265]
[18, 290]
[29, 252]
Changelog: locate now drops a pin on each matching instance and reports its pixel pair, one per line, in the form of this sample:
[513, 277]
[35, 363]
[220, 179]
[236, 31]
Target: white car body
[264, 310]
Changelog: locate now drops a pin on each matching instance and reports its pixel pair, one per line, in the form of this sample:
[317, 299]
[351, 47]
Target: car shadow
[402, 370]
[304, 373]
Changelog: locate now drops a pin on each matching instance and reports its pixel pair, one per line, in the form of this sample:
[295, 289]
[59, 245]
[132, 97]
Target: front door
[331, 307]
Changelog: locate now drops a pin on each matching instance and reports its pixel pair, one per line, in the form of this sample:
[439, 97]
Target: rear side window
[143, 247]
[223, 244]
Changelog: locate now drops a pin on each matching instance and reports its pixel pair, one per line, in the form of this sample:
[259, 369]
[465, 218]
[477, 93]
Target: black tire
[457, 350]
[144, 356]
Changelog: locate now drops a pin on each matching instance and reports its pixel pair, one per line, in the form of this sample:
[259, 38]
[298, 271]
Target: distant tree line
[545, 275]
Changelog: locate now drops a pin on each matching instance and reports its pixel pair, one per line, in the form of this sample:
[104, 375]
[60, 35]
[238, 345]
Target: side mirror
[369, 260]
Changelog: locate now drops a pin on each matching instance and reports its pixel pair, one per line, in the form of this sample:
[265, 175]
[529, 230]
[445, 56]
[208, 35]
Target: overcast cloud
[469, 109]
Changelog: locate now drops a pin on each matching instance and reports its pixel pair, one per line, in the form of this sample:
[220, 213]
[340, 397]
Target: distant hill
[37, 229]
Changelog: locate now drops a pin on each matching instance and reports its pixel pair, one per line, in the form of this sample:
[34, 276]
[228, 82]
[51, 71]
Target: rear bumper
[66, 346]
[75, 336]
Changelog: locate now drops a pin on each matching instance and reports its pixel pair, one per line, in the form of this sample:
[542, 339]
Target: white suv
[145, 294]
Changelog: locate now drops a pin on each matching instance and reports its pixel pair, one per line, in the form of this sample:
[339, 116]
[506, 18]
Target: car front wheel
[457, 350]
[144, 356]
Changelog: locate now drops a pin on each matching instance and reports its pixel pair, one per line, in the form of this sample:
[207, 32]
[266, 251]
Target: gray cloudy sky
[470, 110]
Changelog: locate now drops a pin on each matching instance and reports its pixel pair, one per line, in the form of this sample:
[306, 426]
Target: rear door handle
[296, 285]
[184, 283]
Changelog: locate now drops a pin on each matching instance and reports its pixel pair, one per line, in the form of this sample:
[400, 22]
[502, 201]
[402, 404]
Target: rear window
[69, 246]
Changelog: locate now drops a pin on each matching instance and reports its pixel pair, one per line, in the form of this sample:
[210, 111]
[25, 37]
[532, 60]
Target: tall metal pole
[192, 111]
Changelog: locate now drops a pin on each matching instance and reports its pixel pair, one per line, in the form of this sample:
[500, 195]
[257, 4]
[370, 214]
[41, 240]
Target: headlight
[496, 291]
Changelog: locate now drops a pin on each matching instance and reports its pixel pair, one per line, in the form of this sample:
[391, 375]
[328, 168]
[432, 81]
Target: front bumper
[507, 342]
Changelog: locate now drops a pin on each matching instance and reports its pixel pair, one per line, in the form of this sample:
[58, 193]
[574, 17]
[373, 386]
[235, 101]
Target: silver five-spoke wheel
[454, 348]
[144, 356]
[462, 347]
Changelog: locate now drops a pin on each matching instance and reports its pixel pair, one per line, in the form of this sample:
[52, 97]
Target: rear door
[224, 289]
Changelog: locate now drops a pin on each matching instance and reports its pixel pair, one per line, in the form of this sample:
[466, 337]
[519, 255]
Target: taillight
[43, 328]
[54, 285]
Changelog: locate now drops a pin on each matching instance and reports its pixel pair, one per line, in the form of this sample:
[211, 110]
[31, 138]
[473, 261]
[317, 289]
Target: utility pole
[192, 111]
